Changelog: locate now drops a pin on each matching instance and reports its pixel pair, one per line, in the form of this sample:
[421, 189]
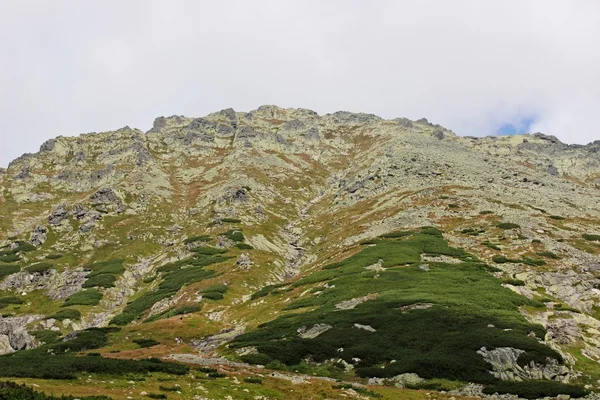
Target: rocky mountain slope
[386, 253]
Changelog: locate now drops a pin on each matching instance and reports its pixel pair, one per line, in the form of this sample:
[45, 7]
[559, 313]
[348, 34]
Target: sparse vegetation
[508, 225]
[236, 236]
[199, 238]
[60, 362]
[67, 313]
[143, 343]
[172, 312]
[89, 297]
[104, 280]
[535, 389]
[435, 342]
[591, 238]
[175, 276]
[6, 301]
[548, 254]
[6, 270]
[14, 391]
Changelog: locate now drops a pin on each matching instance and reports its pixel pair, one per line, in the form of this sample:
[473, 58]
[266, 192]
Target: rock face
[14, 335]
[504, 361]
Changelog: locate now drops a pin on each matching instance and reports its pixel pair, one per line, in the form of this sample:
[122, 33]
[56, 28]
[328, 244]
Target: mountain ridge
[246, 218]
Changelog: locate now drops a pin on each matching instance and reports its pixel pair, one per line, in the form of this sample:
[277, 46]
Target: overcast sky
[476, 67]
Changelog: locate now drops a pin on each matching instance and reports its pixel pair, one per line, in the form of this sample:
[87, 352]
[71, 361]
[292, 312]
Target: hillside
[351, 256]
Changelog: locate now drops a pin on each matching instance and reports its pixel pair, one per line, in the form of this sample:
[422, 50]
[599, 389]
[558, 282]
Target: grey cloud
[70, 67]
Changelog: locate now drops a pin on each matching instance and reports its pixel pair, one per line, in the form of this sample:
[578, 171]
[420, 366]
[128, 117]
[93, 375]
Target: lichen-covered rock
[38, 236]
[244, 262]
[105, 196]
[58, 215]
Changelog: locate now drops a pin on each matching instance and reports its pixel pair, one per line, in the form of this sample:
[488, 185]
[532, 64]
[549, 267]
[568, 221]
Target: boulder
[58, 215]
[38, 237]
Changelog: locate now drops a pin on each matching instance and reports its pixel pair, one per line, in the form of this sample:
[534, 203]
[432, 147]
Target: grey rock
[312, 134]
[552, 170]
[244, 262]
[407, 379]
[14, 330]
[58, 215]
[79, 211]
[200, 125]
[246, 132]
[105, 196]
[313, 332]
[239, 195]
[101, 173]
[48, 145]
[24, 174]
[79, 157]
[438, 134]
[38, 237]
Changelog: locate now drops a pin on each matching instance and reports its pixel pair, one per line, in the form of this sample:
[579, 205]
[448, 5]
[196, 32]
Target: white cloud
[69, 67]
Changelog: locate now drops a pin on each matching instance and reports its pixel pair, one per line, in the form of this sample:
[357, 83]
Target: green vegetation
[472, 231]
[231, 220]
[253, 379]
[514, 282]
[508, 225]
[236, 236]
[213, 296]
[9, 256]
[208, 251]
[159, 396]
[485, 212]
[244, 246]
[548, 254]
[591, 238]
[104, 280]
[6, 301]
[535, 389]
[523, 260]
[172, 312]
[439, 341]
[143, 343]
[60, 362]
[175, 276]
[14, 391]
[39, 268]
[46, 336]
[114, 267]
[53, 256]
[67, 313]
[557, 217]
[215, 292]
[264, 291]
[89, 297]
[104, 274]
[199, 238]
[491, 246]
[6, 270]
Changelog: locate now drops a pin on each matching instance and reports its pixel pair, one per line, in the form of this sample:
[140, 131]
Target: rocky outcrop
[313, 332]
[105, 196]
[58, 215]
[14, 335]
[244, 262]
[504, 361]
[38, 236]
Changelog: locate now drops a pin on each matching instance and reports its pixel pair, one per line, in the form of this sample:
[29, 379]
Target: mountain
[349, 255]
